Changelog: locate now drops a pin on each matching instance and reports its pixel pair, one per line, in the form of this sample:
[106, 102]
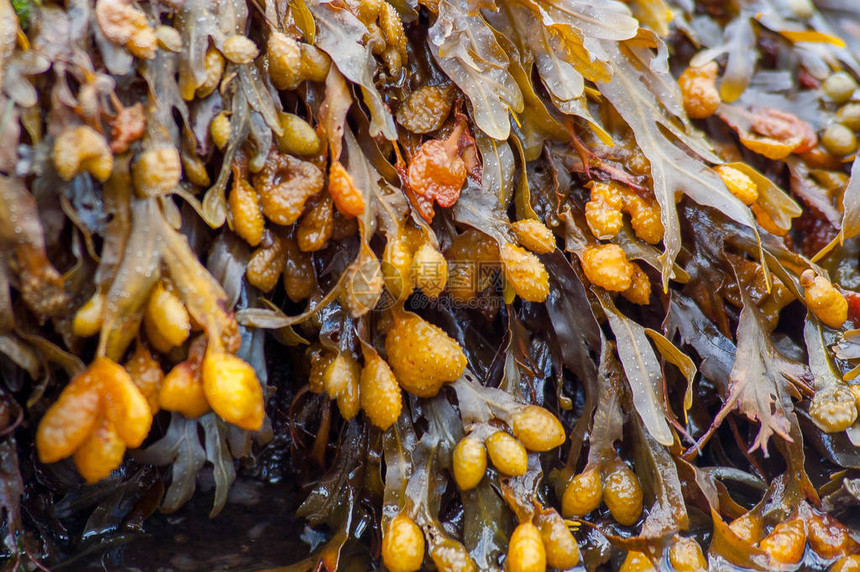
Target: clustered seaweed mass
[519, 284]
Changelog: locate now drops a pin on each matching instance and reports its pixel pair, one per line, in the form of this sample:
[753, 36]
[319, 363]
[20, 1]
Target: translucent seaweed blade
[758, 384]
[603, 19]
[466, 49]
[642, 370]
[340, 35]
[679, 359]
[851, 205]
[673, 169]
[218, 453]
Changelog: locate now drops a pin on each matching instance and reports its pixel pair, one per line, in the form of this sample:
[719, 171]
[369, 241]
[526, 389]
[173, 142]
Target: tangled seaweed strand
[519, 284]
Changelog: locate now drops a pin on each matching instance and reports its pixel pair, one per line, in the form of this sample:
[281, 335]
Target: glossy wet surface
[256, 530]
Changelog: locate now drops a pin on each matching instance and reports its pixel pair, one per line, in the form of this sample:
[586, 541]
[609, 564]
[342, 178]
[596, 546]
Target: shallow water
[256, 530]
